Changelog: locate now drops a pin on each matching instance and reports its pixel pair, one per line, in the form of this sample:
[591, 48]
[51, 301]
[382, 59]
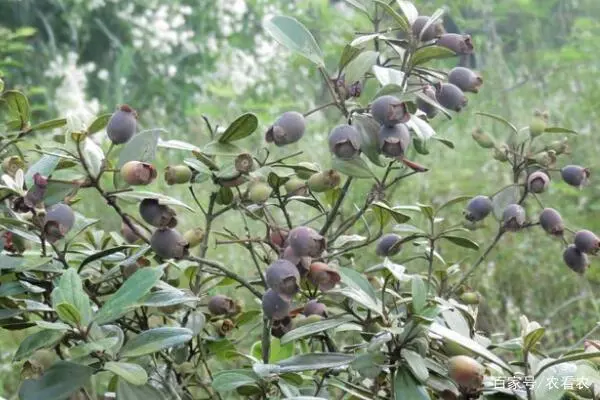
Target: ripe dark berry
[344, 141]
[283, 277]
[538, 182]
[274, 306]
[282, 326]
[393, 141]
[138, 173]
[478, 208]
[58, 222]
[552, 222]
[575, 175]
[429, 109]
[288, 128]
[466, 79]
[278, 236]
[587, 242]
[434, 30]
[128, 234]
[388, 245]
[156, 214]
[323, 276]
[313, 307]
[324, 181]
[389, 111]
[302, 263]
[122, 125]
[460, 44]
[466, 372]
[305, 241]
[176, 174]
[168, 243]
[36, 192]
[222, 305]
[575, 259]
[513, 217]
[450, 96]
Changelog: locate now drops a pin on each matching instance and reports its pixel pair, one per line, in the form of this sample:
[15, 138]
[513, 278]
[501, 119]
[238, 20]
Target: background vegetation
[177, 62]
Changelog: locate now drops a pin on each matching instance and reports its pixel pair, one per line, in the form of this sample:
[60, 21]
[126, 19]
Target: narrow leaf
[242, 127]
[462, 242]
[98, 124]
[154, 340]
[290, 33]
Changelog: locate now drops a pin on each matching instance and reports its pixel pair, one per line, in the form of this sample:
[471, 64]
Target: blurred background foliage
[180, 60]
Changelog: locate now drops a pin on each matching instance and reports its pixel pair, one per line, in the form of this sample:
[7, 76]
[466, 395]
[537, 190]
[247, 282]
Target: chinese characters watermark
[523, 382]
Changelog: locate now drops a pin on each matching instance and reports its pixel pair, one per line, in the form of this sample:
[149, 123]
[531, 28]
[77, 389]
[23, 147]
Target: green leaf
[126, 391]
[68, 313]
[533, 338]
[93, 156]
[243, 126]
[357, 68]
[408, 10]
[154, 340]
[369, 364]
[406, 387]
[51, 124]
[167, 297]
[355, 167]
[58, 382]
[508, 195]
[57, 191]
[446, 142]
[162, 199]
[426, 210]
[132, 373]
[398, 18]
[227, 381]
[18, 106]
[99, 123]
[39, 340]
[313, 328]
[348, 54]
[142, 147]
[384, 212]
[290, 33]
[462, 242]
[451, 202]
[277, 351]
[468, 344]
[70, 290]
[428, 53]
[558, 129]
[388, 76]
[1, 85]
[355, 279]
[222, 149]
[44, 166]
[419, 293]
[132, 290]
[369, 132]
[566, 359]
[101, 254]
[416, 364]
[314, 361]
[557, 373]
[499, 119]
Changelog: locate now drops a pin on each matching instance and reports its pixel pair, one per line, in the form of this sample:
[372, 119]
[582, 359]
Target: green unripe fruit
[552, 222]
[450, 96]
[58, 222]
[138, 173]
[259, 192]
[501, 153]
[545, 158]
[466, 372]
[10, 165]
[194, 236]
[538, 182]
[222, 305]
[295, 187]
[122, 125]
[559, 146]
[244, 163]
[470, 298]
[429, 109]
[176, 174]
[274, 306]
[537, 126]
[313, 307]
[575, 259]
[575, 175]
[156, 214]
[433, 31]
[344, 142]
[466, 79]
[393, 141]
[388, 245]
[483, 139]
[389, 111]
[324, 181]
[305, 241]
[283, 277]
[478, 208]
[168, 243]
[586, 242]
[287, 129]
[513, 217]
[460, 44]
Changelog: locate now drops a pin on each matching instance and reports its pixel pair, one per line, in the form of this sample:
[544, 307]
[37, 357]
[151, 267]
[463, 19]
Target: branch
[333, 213]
